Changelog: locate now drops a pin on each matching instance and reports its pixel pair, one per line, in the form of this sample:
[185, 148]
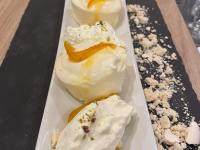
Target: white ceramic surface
[138, 135]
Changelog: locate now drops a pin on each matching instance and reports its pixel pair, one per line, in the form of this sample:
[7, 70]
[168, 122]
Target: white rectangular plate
[138, 135]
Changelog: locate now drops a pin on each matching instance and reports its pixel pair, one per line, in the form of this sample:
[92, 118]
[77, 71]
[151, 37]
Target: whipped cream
[99, 126]
[99, 75]
[86, 36]
[108, 10]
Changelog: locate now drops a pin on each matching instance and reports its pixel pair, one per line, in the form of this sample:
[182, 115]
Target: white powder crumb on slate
[173, 56]
[139, 14]
[148, 28]
[161, 40]
[162, 85]
[169, 46]
[141, 68]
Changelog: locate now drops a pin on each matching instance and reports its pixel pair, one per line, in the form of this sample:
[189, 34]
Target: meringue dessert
[94, 62]
[99, 125]
[90, 11]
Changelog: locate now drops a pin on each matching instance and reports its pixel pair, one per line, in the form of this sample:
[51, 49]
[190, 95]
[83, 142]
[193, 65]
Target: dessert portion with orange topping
[93, 62]
[90, 11]
[100, 125]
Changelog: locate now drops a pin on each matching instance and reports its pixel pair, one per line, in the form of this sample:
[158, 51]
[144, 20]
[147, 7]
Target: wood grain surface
[182, 40]
[12, 11]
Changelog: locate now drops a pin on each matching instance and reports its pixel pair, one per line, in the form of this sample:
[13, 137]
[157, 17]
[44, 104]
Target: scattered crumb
[148, 28]
[170, 133]
[139, 14]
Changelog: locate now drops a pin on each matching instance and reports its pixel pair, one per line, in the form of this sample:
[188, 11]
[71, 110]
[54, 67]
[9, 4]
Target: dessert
[99, 125]
[93, 63]
[90, 11]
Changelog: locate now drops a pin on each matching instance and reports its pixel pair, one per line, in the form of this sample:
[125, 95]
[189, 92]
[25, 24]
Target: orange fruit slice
[93, 2]
[77, 56]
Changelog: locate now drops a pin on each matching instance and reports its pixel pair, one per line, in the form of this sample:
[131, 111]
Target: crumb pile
[156, 68]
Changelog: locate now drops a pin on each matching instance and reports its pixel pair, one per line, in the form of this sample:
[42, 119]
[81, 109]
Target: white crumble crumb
[161, 40]
[139, 16]
[153, 117]
[173, 56]
[154, 30]
[138, 51]
[151, 81]
[146, 43]
[151, 106]
[153, 38]
[140, 36]
[169, 46]
[169, 138]
[148, 28]
[183, 88]
[162, 76]
[193, 136]
[168, 70]
[150, 94]
[165, 122]
[158, 50]
[141, 68]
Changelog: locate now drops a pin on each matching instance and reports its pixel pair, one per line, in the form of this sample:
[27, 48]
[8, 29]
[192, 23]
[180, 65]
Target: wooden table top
[12, 11]
[10, 16]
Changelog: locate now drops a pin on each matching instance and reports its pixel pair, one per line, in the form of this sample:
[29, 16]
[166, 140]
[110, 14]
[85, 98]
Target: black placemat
[189, 95]
[182, 97]
[26, 72]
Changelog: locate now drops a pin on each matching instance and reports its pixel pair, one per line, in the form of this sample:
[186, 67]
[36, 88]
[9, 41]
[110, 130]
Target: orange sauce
[94, 2]
[98, 6]
[91, 3]
[77, 56]
[78, 109]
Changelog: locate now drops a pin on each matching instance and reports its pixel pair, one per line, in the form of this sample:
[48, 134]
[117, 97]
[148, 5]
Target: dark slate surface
[190, 97]
[26, 72]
